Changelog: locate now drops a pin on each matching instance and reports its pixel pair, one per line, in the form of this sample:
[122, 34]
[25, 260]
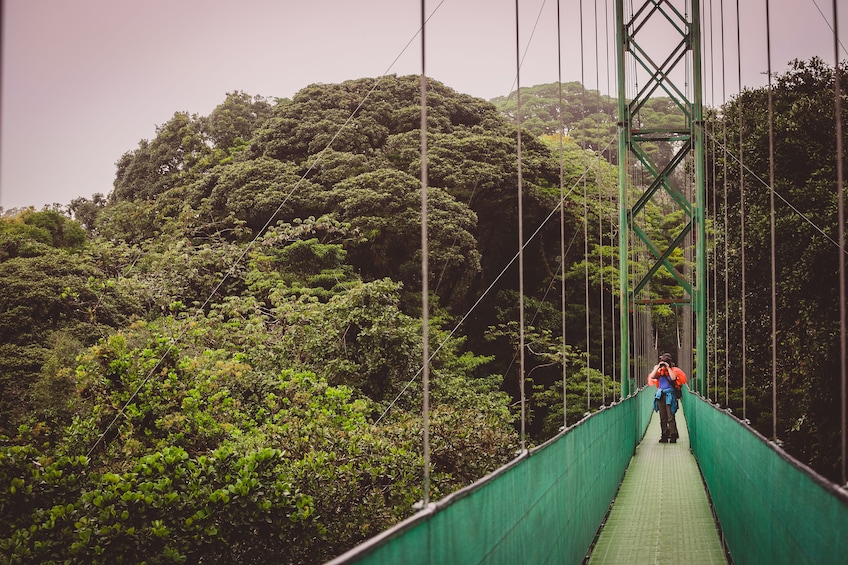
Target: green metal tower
[659, 60]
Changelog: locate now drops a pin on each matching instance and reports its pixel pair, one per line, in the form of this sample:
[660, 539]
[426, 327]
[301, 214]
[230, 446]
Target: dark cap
[666, 357]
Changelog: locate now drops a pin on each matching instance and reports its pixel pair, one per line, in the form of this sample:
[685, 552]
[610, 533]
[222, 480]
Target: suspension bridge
[604, 490]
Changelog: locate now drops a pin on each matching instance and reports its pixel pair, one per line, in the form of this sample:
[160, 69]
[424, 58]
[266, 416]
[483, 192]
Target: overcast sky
[83, 81]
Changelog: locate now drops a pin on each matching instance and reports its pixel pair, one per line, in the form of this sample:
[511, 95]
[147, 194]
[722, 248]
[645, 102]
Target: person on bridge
[668, 379]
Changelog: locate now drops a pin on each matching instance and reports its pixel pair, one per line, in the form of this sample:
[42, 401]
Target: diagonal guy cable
[485, 292]
[179, 335]
[776, 193]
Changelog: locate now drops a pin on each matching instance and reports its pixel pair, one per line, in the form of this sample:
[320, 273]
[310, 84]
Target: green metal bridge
[552, 504]
[604, 490]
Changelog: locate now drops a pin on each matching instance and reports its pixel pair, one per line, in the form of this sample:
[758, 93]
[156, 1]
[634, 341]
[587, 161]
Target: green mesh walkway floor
[661, 513]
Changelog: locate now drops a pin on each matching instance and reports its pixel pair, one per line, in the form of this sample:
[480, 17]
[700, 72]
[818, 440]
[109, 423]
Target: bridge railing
[543, 507]
[772, 508]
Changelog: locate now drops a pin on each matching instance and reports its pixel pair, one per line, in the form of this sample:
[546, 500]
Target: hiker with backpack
[668, 378]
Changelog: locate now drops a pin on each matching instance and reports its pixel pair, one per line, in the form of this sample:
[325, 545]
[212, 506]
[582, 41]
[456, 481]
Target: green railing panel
[772, 509]
[543, 507]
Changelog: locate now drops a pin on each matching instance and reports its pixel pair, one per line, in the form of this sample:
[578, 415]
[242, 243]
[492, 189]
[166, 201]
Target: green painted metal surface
[665, 157]
[772, 509]
[546, 506]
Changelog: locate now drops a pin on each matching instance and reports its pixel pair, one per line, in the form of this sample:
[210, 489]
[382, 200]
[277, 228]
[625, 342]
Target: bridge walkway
[661, 513]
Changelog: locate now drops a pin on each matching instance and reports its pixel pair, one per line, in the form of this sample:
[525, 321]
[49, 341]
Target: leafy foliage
[226, 367]
[168, 508]
[807, 265]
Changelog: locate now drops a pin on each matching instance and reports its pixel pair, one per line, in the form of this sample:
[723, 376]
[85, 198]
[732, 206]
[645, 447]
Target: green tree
[807, 262]
[384, 206]
[261, 191]
[163, 163]
[234, 121]
[31, 233]
[85, 211]
[45, 297]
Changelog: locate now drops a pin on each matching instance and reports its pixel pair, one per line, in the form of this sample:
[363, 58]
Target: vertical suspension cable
[647, 336]
[629, 307]
[715, 262]
[677, 317]
[562, 221]
[685, 350]
[725, 225]
[688, 312]
[600, 220]
[742, 216]
[690, 309]
[613, 213]
[638, 323]
[712, 144]
[843, 361]
[628, 303]
[771, 226]
[520, 229]
[585, 211]
[425, 268]
[630, 334]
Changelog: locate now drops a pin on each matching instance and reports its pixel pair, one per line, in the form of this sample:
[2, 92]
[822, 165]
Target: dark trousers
[668, 426]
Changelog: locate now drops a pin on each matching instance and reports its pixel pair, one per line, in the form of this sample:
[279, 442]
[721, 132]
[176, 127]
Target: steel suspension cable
[613, 214]
[479, 300]
[630, 247]
[717, 227]
[527, 48]
[742, 214]
[833, 28]
[585, 211]
[685, 361]
[492, 284]
[843, 338]
[425, 269]
[600, 221]
[626, 312]
[725, 227]
[179, 335]
[783, 199]
[520, 228]
[685, 344]
[561, 134]
[714, 211]
[771, 226]
[715, 307]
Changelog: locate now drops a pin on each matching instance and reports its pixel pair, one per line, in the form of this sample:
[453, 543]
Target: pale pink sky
[84, 80]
